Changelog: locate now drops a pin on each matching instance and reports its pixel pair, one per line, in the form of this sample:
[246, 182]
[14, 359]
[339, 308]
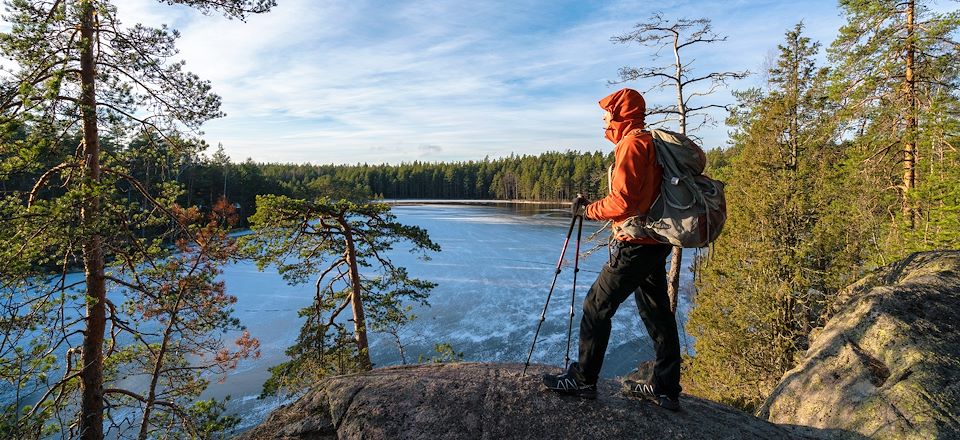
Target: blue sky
[391, 81]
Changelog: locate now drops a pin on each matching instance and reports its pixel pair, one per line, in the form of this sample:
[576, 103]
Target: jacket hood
[627, 107]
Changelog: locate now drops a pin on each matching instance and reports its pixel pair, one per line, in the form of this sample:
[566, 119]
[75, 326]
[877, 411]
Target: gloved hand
[577, 205]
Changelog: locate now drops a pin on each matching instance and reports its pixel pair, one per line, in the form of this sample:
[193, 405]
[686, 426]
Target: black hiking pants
[636, 269]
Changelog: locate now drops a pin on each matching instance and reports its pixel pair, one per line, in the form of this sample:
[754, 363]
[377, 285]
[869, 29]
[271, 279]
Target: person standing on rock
[636, 266]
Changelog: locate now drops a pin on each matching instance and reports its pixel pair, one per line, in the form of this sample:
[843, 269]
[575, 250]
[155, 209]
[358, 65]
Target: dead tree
[677, 36]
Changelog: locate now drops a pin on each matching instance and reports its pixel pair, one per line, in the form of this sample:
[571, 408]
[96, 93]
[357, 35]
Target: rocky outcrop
[492, 401]
[887, 364]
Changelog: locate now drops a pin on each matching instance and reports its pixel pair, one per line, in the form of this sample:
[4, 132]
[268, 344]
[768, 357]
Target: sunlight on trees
[340, 246]
[84, 88]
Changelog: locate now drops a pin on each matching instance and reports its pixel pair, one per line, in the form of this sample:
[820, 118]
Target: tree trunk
[356, 302]
[787, 334]
[910, 144]
[673, 278]
[676, 256]
[681, 107]
[91, 376]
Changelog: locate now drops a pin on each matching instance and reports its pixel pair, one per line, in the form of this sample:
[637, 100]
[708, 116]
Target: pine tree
[335, 244]
[896, 78]
[762, 287]
[84, 78]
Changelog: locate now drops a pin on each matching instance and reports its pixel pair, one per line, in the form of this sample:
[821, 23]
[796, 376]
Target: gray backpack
[691, 208]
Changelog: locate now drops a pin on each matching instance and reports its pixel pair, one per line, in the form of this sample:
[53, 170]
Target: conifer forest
[117, 219]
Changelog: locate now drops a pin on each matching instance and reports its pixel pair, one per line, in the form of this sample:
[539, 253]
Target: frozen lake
[492, 280]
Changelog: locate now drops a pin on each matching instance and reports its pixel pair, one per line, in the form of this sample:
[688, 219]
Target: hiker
[635, 266]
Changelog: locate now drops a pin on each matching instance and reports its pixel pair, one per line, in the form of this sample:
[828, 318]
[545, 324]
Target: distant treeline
[204, 179]
[547, 176]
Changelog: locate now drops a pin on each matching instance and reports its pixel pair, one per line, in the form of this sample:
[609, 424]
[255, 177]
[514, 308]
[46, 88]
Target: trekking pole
[543, 314]
[573, 294]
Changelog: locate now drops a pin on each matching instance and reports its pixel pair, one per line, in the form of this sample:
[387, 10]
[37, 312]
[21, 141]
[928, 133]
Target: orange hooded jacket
[636, 175]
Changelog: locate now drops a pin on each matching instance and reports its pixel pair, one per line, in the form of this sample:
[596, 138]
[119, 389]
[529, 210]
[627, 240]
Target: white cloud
[371, 81]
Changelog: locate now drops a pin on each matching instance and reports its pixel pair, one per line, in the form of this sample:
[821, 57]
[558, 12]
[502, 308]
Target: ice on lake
[492, 277]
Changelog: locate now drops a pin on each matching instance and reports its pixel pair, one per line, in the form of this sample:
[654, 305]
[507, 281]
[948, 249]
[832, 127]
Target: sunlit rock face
[887, 364]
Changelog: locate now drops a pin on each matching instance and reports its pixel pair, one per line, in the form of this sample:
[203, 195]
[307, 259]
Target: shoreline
[404, 202]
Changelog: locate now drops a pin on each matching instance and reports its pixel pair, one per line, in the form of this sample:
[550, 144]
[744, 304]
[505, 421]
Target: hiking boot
[571, 382]
[646, 391]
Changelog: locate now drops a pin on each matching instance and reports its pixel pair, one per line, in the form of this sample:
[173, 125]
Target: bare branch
[340, 309]
[704, 107]
[717, 76]
[46, 176]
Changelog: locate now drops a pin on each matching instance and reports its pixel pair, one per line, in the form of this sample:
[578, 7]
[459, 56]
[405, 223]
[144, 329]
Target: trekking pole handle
[578, 203]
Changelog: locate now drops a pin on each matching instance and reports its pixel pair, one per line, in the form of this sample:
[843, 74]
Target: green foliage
[92, 121]
[718, 163]
[815, 194]
[444, 353]
[229, 8]
[808, 213]
[937, 197]
[183, 313]
[764, 284]
[208, 420]
[884, 114]
[338, 245]
[548, 176]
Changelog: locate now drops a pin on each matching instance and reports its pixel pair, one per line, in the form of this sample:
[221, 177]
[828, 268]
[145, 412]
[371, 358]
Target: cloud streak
[348, 82]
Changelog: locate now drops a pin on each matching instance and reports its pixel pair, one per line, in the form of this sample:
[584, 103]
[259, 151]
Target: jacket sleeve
[630, 173]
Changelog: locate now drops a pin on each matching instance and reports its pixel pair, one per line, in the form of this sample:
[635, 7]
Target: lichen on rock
[887, 364]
